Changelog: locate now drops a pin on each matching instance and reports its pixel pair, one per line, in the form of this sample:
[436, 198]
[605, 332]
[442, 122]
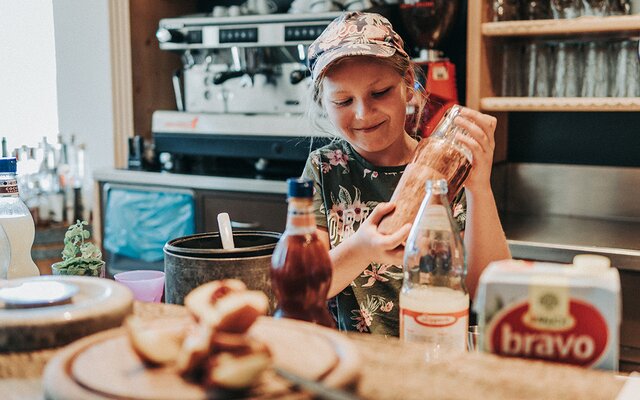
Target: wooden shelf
[617, 25]
[560, 104]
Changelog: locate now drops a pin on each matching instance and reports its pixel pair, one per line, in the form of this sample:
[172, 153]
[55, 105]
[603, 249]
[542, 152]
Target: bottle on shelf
[300, 266]
[16, 223]
[434, 303]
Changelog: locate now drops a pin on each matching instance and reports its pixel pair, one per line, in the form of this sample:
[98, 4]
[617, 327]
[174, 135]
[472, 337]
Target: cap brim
[329, 57]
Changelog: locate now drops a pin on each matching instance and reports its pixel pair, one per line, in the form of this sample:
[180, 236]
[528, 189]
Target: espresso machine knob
[169, 35]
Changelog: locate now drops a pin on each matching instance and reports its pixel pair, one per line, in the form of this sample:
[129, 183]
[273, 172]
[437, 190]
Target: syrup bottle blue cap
[299, 187]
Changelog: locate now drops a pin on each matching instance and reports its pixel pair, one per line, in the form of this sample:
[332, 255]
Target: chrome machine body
[242, 92]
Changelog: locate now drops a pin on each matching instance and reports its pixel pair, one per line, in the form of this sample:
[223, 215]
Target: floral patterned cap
[354, 34]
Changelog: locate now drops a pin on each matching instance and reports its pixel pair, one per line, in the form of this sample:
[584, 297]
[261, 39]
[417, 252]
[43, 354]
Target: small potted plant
[79, 257]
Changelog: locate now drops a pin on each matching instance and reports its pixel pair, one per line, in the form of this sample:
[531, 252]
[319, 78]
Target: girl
[363, 80]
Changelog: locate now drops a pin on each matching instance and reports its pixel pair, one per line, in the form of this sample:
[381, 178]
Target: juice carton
[568, 313]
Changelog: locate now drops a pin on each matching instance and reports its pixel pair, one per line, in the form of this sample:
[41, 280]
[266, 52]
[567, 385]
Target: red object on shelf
[442, 93]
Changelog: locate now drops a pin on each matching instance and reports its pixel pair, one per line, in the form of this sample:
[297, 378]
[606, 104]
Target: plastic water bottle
[434, 304]
[17, 225]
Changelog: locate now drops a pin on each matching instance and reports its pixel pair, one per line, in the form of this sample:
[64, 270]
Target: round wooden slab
[104, 365]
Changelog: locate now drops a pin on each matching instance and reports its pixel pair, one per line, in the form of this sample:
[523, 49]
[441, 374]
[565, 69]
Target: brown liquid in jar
[434, 159]
[300, 276]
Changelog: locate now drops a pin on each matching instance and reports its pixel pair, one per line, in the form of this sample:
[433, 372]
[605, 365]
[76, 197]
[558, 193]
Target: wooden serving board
[104, 366]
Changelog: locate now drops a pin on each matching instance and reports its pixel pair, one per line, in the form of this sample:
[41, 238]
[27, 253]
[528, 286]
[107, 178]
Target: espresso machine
[241, 96]
[427, 23]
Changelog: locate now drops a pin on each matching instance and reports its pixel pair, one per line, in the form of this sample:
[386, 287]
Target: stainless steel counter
[190, 181]
[559, 238]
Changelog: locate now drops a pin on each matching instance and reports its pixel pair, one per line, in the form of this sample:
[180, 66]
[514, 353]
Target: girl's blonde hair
[401, 64]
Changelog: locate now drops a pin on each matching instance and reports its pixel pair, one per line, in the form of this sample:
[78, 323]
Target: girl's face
[366, 100]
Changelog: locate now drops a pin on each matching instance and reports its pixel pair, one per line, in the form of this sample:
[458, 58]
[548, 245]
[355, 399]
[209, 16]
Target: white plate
[37, 293]
[98, 304]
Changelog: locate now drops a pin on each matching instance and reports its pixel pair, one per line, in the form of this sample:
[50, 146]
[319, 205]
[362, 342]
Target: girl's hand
[377, 247]
[481, 142]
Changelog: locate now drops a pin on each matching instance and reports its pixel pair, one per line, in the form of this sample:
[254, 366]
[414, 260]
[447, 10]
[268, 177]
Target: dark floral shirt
[347, 189]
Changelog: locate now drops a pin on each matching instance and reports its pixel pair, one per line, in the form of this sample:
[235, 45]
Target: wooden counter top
[391, 370]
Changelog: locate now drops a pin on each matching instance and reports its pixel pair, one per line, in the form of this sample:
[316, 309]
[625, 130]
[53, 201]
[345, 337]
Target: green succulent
[79, 257]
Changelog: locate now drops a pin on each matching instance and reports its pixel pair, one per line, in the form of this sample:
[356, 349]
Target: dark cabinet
[249, 211]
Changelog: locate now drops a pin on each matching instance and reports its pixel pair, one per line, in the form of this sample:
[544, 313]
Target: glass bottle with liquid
[16, 224]
[434, 303]
[440, 156]
[300, 266]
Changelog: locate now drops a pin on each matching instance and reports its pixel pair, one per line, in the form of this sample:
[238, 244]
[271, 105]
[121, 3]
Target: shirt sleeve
[312, 170]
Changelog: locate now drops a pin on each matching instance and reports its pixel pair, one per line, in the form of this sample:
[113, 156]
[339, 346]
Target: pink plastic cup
[146, 286]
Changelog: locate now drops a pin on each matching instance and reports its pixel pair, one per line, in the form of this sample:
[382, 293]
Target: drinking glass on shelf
[599, 8]
[535, 9]
[620, 7]
[537, 67]
[633, 69]
[595, 79]
[617, 70]
[567, 72]
[512, 69]
[561, 9]
[505, 10]
[537, 53]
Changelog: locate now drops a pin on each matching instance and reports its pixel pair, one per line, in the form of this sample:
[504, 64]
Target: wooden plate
[98, 305]
[104, 365]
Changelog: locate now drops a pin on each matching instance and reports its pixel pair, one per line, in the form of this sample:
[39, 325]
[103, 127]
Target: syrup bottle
[434, 304]
[300, 266]
[17, 224]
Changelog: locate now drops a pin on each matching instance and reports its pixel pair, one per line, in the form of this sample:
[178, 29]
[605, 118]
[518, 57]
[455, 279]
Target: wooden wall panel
[152, 68]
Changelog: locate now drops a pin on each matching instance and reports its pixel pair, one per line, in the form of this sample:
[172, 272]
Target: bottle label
[446, 330]
[436, 218]
[8, 187]
[300, 220]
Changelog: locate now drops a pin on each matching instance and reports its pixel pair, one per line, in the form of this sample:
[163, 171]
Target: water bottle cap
[440, 184]
[8, 165]
[299, 187]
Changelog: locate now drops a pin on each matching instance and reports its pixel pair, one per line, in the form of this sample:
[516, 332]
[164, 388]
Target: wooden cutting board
[105, 366]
